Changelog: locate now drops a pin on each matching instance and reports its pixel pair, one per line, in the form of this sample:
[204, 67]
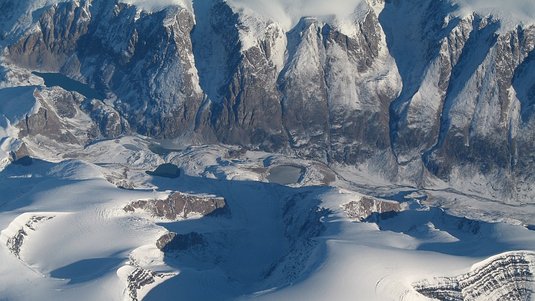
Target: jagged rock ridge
[413, 92]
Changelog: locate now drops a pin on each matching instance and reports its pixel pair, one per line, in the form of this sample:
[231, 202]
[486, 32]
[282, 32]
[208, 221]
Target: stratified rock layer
[509, 276]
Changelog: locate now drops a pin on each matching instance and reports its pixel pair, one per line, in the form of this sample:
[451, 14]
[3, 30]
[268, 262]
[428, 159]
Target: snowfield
[288, 12]
[66, 235]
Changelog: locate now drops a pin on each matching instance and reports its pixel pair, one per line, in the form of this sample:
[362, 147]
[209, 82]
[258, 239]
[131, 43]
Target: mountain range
[362, 104]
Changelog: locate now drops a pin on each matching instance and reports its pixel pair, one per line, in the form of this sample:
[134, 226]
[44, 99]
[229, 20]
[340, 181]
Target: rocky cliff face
[144, 60]
[409, 89]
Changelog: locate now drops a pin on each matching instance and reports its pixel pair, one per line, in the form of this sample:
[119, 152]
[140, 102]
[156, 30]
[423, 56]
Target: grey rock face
[365, 207]
[146, 60]
[14, 243]
[306, 113]
[245, 103]
[13, 15]
[481, 124]
[456, 112]
[61, 26]
[180, 206]
[507, 276]
[330, 109]
[411, 91]
[51, 120]
[109, 121]
[414, 31]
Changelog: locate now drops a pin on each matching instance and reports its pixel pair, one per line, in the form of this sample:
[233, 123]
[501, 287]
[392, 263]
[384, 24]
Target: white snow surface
[511, 13]
[345, 12]
[341, 12]
[288, 12]
[15, 105]
[90, 246]
[156, 5]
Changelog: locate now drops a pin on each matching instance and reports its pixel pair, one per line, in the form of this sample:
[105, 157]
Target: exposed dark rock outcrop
[172, 242]
[181, 206]
[167, 170]
[365, 207]
[141, 278]
[15, 242]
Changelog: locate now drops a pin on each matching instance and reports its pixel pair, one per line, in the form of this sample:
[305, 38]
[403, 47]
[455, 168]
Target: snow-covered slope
[70, 233]
[287, 12]
[156, 5]
[272, 150]
[17, 103]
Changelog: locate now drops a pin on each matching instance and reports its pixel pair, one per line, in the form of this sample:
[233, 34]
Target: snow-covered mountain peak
[341, 13]
[156, 5]
[510, 13]
[289, 13]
